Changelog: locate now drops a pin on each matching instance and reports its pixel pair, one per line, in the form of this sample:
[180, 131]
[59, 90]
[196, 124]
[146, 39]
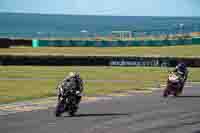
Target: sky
[105, 7]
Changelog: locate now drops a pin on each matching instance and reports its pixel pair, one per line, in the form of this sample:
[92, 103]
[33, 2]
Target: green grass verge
[176, 51]
[18, 90]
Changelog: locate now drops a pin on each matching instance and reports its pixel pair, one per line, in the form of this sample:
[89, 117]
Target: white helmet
[73, 74]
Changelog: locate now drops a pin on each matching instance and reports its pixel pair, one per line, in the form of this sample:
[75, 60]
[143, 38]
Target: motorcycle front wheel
[60, 108]
[72, 110]
[166, 93]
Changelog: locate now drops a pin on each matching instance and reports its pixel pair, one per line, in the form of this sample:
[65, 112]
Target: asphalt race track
[139, 113]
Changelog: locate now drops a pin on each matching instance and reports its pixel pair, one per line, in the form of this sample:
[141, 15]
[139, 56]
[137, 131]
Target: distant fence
[119, 43]
[96, 61]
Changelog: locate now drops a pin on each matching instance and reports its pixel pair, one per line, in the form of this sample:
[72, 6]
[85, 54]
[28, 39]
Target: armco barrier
[116, 43]
[96, 61]
[5, 43]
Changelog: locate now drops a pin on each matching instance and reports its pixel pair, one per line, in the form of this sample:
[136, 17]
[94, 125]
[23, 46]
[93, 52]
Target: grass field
[176, 51]
[27, 82]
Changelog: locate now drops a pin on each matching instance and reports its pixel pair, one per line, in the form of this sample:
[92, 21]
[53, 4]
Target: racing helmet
[181, 67]
[73, 74]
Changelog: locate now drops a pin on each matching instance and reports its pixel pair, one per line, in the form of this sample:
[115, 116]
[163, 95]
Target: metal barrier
[119, 43]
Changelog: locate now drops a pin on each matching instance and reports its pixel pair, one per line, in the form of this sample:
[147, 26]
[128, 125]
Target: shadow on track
[101, 115]
[188, 96]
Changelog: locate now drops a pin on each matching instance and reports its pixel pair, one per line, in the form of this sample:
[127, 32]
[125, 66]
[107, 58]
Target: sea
[24, 25]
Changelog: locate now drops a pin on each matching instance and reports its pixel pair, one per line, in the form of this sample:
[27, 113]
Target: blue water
[37, 25]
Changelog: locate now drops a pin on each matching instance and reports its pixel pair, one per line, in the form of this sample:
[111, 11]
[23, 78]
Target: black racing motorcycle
[68, 100]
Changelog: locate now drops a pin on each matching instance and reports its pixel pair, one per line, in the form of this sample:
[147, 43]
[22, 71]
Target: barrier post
[35, 43]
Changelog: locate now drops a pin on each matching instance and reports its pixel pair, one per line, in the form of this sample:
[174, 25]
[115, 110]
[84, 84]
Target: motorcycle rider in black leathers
[76, 82]
[182, 72]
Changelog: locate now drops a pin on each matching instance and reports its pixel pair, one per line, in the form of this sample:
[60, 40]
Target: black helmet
[181, 67]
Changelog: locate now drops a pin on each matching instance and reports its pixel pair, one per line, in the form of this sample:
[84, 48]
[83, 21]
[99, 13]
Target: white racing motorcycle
[174, 85]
